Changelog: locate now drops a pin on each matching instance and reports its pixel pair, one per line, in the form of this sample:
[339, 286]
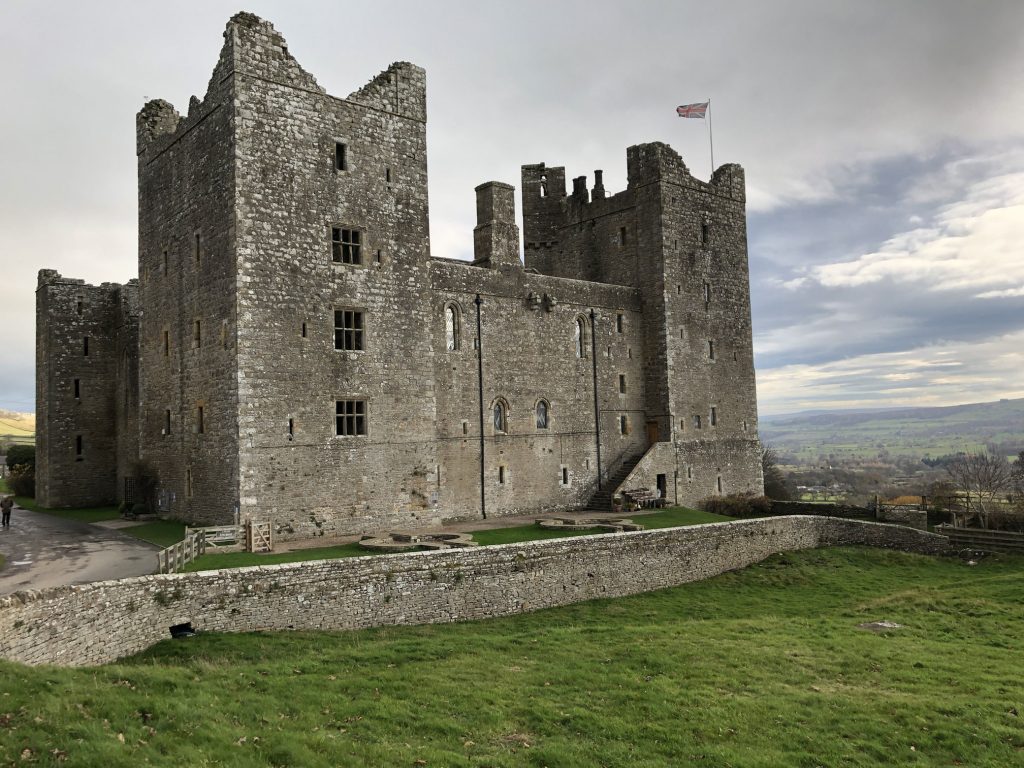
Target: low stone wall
[100, 622]
[903, 514]
[819, 508]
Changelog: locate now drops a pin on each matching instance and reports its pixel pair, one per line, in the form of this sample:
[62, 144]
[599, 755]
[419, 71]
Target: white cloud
[972, 243]
[941, 374]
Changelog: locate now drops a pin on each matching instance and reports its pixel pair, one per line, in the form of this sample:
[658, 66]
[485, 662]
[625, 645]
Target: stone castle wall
[239, 371]
[98, 623]
[86, 390]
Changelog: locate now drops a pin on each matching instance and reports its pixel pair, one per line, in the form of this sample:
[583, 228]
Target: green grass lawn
[759, 668]
[84, 515]
[163, 533]
[665, 518]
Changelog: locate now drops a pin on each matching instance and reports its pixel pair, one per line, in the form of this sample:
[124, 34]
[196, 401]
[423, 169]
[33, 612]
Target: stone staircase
[601, 501]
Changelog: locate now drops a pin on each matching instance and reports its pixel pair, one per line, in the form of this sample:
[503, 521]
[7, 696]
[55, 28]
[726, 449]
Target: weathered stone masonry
[303, 358]
[100, 622]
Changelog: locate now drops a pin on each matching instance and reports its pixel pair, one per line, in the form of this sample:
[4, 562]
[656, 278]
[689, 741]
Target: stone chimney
[496, 236]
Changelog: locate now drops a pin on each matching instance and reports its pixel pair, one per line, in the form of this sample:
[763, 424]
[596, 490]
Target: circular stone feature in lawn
[399, 542]
[610, 524]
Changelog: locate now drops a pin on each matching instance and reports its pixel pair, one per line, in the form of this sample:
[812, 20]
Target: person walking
[6, 505]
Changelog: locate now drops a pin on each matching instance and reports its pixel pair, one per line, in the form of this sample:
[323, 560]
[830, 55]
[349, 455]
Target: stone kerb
[100, 622]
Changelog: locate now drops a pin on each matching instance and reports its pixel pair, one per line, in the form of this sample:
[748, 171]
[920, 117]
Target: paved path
[46, 551]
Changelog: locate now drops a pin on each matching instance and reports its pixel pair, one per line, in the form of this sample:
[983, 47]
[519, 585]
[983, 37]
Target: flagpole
[711, 141]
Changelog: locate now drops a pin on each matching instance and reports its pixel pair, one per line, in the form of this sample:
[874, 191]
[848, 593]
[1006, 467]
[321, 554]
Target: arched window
[579, 337]
[451, 327]
[543, 186]
[500, 416]
[542, 414]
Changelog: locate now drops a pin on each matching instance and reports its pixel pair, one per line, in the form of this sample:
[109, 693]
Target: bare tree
[983, 478]
[774, 481]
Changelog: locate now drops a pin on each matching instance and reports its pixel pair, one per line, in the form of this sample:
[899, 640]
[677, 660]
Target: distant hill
[894, 432]
[17, 427]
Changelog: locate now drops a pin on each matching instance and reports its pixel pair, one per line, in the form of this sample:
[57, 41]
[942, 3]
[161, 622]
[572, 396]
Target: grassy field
[764, 667]
[83, 515]
[667, 518]
[907, 432]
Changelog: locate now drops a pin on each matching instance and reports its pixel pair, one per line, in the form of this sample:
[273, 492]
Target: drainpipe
[480, 383]
[597, 411]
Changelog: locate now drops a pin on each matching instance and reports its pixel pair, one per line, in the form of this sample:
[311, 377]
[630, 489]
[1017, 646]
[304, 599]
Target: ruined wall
[187, 339]
[86, 390]
[529, 351]
[98, 623]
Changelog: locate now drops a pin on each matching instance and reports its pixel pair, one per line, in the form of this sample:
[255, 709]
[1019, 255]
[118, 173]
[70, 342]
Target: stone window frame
[620, 322]
[624, 425]
[79, 448]
[564, 478]
[622, 384]
[502, 403]
[581, 337]
[452, 342]
[341, 156]
[357, 332]
[713, 417]
[351, 417]
[697, 421]
[347, 244]
[546, 405]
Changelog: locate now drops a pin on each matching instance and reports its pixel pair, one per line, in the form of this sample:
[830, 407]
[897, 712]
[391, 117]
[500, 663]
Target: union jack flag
[693, 110]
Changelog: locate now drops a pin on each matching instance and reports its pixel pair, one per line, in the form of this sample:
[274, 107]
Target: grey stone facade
[100, 622]
[303, 358]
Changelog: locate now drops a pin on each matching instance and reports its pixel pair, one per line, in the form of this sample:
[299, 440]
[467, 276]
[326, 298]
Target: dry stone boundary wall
[100, 622]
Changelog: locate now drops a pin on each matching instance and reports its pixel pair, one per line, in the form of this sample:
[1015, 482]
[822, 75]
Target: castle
[292, 351]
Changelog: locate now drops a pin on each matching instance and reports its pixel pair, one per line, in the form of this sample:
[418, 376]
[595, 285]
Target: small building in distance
[293, 352]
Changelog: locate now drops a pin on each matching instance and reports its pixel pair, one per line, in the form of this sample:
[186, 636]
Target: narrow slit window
[622, 237]
[565, 475]
[714, 416]
[707, 292]
[167, 343]
[198, 248]
[579, 337]
[346, 246]
[79, 307]
[78, 388]
[197, 334]
[188, 483]
[165, 262]
[705, 233]
[387, 175]
[500, 417]
[711, 350]
[689, 473]
[542, 414]
[167, 421]
[200, 420]
[291, 428]
[348, 329]
[85, 346]
[619, 323]
[340, 156]
[623, 425]
[719, 483]
[303, 330]
[501, 475]
[622, 383]
[451, 328]
[696, 421]
[78, 446]
[350, 418]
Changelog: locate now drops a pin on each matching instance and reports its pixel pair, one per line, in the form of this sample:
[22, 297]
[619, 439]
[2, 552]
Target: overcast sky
[883, 143]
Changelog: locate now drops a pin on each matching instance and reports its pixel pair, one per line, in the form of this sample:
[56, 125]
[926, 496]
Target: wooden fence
[247, 537]
[979, 538]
